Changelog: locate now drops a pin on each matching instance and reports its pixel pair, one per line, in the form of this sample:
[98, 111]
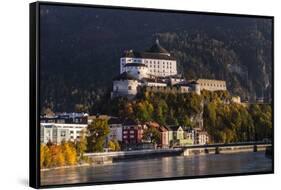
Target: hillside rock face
[81, 48]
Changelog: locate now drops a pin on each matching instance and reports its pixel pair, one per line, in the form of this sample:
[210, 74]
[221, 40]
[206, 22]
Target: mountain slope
[81, 48]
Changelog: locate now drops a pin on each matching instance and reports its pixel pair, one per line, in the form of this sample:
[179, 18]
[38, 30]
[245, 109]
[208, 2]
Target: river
[163, 167]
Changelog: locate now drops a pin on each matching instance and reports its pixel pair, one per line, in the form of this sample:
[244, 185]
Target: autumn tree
[45, 156]
[81, 144]
[69, 153]
[97, 132]
[152, 134]
[144, 111]
[113, 145]
[57, 156]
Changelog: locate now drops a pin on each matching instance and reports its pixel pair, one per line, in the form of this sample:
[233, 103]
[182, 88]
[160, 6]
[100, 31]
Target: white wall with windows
[57, 132]
[156, 67]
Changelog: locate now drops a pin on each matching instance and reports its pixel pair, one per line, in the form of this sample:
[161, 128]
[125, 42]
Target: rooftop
[157, 48]
[147, 55]
[156, 51]
[209, 80]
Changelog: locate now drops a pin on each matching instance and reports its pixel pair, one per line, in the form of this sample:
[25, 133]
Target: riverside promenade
[109, 157]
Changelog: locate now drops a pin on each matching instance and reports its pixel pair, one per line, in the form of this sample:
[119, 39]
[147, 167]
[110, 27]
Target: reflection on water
[165, 167]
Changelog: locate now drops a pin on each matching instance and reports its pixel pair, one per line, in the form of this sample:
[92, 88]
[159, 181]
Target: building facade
[125, 85]
[156, 70]
[116, 129]
[58, 132]
[175, 134]
[201, 137]
[132, 132]
[157, 60]
[212, 85]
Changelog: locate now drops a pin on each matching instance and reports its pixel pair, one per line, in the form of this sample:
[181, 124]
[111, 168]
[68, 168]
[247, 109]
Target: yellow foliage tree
[42, 156]
[69, 153]
[45, 156]
[111, 145]
[117, 146]
[57, 156]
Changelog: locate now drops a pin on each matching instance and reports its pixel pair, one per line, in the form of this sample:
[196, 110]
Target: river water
[163, 167]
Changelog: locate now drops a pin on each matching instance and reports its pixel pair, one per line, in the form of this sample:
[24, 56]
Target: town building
[78, 118]
[116, 129]
[132, 132]
[62, 126]
[164, 133]
[176, 134]
[201, 137]
[164, 140]
[58, 132]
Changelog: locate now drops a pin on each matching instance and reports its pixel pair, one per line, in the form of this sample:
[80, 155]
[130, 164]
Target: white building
[57, 132]
[156, 71]
[201, 137]
[137, 70]
[115, 126]
[125, 85]
[158, 61]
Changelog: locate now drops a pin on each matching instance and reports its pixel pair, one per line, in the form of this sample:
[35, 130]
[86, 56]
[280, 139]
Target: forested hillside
[81, 48]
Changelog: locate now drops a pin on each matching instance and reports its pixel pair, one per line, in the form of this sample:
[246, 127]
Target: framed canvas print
[121, 94]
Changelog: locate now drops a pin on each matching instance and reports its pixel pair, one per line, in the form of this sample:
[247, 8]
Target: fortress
[156, 70]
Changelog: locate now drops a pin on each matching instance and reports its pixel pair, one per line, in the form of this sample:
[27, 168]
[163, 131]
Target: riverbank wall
[109, 157]
[224, 149]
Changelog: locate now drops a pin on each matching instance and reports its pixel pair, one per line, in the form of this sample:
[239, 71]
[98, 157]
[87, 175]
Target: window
[63, 134]
[129, 88]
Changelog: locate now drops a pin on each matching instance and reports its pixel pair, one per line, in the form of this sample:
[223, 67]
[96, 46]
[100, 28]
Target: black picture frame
[34, 92]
